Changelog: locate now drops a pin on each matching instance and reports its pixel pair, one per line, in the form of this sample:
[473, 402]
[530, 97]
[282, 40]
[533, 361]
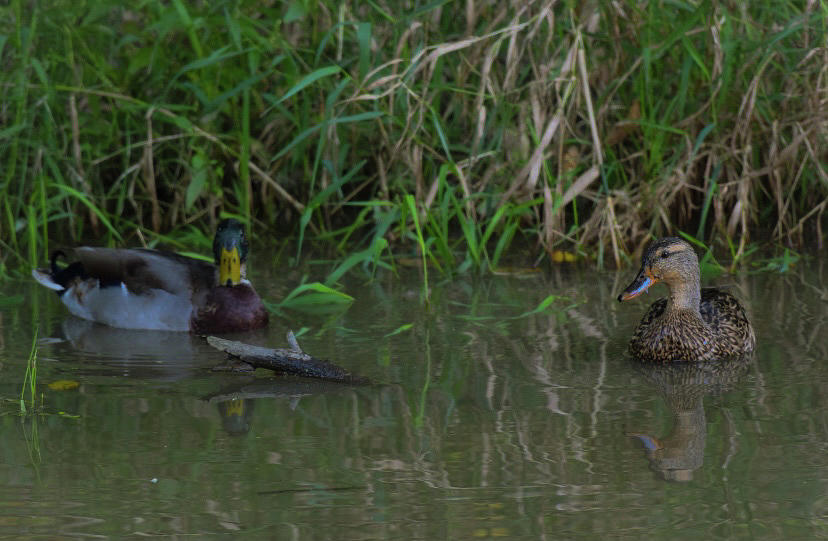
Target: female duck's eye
[665, 255]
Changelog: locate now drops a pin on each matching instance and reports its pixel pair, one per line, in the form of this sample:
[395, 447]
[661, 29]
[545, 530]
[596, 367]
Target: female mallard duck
[692, 324]
[150, 289]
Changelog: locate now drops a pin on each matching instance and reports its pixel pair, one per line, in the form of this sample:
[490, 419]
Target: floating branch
[291, 361]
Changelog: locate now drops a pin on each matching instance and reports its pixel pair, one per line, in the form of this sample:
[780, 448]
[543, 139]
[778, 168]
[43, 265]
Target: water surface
[484, 421]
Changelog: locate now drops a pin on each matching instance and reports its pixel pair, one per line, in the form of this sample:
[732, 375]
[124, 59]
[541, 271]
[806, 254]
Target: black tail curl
[53, 261]
[66, 275]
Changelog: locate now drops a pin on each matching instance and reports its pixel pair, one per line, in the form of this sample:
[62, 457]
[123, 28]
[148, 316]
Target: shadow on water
[683, 387]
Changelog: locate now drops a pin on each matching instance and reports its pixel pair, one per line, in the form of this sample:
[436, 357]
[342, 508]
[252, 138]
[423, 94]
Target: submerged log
[291, 361]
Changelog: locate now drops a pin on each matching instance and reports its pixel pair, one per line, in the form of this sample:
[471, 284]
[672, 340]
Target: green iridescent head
[230, 249]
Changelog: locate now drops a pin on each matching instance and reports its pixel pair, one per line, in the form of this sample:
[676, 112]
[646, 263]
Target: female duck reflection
[683, 386]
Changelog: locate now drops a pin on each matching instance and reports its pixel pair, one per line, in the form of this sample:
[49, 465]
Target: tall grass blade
[423, 248]
[309, 80]
[30, 379]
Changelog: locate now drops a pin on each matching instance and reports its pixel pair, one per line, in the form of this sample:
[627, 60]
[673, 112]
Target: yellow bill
[230, 267]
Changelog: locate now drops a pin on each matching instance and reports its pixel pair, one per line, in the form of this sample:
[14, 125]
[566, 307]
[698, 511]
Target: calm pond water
[486, 421]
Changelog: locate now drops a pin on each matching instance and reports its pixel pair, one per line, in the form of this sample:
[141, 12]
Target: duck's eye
[665, 255]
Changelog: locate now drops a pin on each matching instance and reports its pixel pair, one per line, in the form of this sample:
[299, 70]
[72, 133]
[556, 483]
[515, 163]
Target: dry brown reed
[605, 123]
[572, 92]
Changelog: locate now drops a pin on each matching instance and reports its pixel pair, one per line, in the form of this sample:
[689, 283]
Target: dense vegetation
[446, 128]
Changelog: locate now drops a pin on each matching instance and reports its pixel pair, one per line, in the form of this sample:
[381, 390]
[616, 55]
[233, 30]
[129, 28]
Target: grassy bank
[446, 129]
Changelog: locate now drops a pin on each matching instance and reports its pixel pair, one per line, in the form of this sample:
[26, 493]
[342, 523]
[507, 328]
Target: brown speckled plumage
[692, 324]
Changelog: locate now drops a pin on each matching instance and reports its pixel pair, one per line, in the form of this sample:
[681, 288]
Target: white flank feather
[118, 307]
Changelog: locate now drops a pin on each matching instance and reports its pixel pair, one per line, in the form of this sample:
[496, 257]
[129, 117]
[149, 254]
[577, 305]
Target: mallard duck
[692, 324]
[151, 289]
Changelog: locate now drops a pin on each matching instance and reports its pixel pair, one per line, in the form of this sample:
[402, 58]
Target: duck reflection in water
[97, 349]
[152, 355]
[683, 387]
[236, 415]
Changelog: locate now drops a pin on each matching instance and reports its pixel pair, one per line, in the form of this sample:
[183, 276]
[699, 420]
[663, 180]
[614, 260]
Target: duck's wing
[142, 270]
[131, 289]
[727, 317]
[720, 308]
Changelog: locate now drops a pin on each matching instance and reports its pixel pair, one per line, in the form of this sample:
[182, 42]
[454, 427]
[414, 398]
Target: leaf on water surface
[64, 385]
[780, 264]
[398, 330]
[313, 297]
[318, 292]
[542, 307]
[544, 304]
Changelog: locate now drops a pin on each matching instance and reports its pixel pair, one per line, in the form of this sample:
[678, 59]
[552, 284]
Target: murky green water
[482, 424]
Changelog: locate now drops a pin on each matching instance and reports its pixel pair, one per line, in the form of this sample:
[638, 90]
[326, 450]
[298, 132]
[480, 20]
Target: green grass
[446, 130]
[28, 392]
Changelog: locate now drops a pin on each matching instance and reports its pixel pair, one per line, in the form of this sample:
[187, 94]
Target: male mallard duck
[692, 324]
[150, 289]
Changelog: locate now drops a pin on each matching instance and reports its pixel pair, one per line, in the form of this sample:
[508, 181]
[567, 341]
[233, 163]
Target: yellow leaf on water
[63, 385]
